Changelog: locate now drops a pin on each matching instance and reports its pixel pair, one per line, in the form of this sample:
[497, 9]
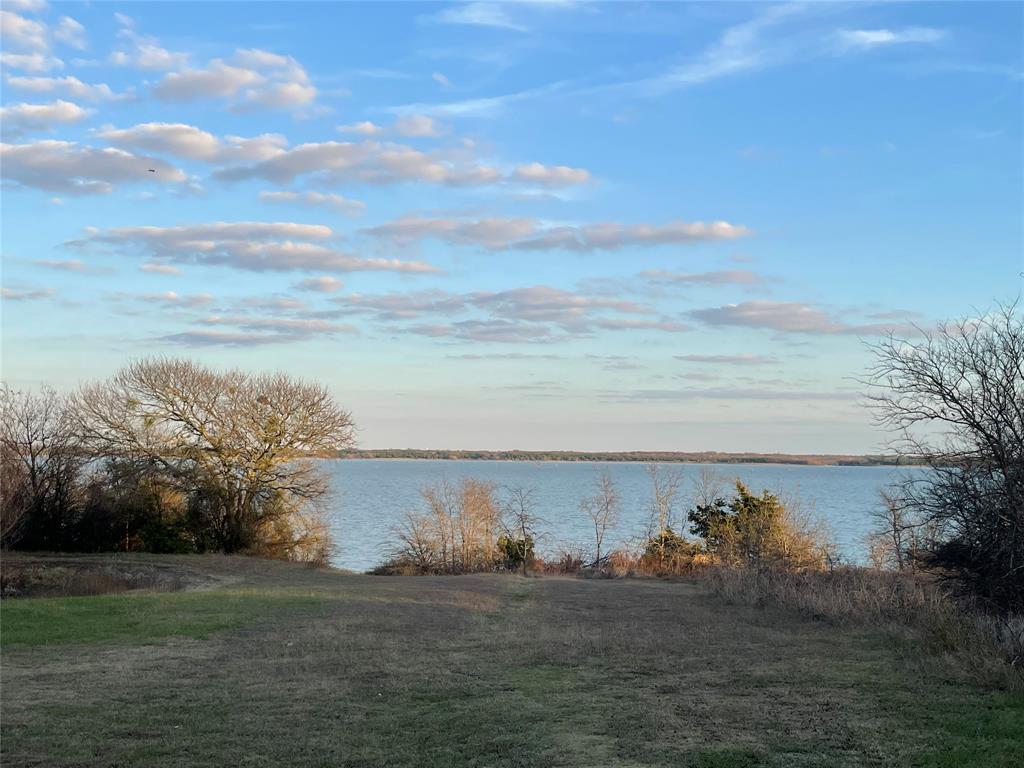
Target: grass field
[268, 664]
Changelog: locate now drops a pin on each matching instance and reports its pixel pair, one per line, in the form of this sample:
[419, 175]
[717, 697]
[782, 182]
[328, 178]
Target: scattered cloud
[479, 14]
[159, 269]
[365, 128]
[26, 294]
[67, 265]
[21, 118]
[720, 277]
[535, 313]
[343, 205]
[873, 38]
[67, 85]
[786, 317]
[68, 167]
[372, 162]
[23, 34]
[174, 299]
[729, 359]
[323, 284]
[725, 393]
[71, 33]
[30, 62]
[251, 79]
[191, 143]
[142, 52]
[551, 176]
[418, 126]
[247, 245]
[529, 234]
[481, 107]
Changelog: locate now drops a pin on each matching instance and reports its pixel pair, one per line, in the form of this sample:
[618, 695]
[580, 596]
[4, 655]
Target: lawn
[270, 664]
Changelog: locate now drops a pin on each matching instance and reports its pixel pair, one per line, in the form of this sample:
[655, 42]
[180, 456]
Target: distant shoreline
[658, 457]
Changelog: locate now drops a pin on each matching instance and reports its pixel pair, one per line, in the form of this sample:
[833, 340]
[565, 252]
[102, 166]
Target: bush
[758, 531]
[515, 551]
[989, 647]
[668, 552]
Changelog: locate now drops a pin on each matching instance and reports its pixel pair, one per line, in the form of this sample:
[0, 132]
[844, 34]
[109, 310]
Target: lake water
[371, 496]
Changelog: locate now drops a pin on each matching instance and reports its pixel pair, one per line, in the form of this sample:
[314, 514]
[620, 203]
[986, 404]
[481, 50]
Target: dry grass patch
[495, 671]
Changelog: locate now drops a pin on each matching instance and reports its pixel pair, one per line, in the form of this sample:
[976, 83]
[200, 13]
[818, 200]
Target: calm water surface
[372, 495]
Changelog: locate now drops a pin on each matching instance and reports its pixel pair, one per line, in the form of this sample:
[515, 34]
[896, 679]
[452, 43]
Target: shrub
[515, 551]
[759, 531]
[668, 552]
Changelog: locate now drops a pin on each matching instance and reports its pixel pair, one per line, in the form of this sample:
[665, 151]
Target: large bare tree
[40, 463]
[955, 398]
[240, 444]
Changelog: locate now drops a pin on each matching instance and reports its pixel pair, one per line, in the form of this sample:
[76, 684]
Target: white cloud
[728, 359]
[148, 56]
[551, 176]
[218, 79]
[63, 166]
[786, 317]
[324, 284]
[366, 128]
[30, 62]
[70, 32]
[417, 126]
[26, 294]
[247, 245]
[536, 313]
[159, 269]
[26, 6]
[479, 14]
[873, 38]
[720, 277]
[68, 85]
[334, 162]
[189, 142]
[441, 79]
[66, 265]
[368, 161]
[19, 118]
[174, 299]
[343, 205]
[528, 234]
[252, 79]
[21, 34]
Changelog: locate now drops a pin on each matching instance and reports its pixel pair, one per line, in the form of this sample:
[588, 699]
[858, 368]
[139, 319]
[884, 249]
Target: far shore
[678, 457]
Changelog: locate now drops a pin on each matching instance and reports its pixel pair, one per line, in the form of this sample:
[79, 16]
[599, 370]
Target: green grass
[288, 666]
[137, 619]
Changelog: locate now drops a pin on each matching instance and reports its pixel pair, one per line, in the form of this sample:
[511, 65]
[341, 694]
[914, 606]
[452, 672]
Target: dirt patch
[49, 575]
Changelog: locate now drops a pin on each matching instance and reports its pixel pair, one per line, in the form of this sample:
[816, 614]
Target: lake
[371, 496]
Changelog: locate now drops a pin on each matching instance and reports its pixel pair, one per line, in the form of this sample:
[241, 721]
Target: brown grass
[990, 646]
[492, 670]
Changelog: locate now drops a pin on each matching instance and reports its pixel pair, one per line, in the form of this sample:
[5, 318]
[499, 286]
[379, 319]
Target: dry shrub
[457, 533]
[67, 581]
[990, 648]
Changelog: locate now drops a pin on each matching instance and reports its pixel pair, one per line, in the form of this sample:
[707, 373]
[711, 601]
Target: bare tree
[240, 444]
[955, 399]
[521, 523]
[456, 533]
[40, 462]
[665, 483]
[603, 511]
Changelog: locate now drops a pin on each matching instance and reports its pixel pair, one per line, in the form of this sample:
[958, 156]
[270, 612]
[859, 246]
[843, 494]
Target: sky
[534, 225]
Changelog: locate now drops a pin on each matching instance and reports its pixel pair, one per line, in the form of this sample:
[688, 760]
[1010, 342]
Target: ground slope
[269, 664]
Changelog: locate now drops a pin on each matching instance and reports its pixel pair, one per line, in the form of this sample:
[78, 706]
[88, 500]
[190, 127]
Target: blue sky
[539, 225]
